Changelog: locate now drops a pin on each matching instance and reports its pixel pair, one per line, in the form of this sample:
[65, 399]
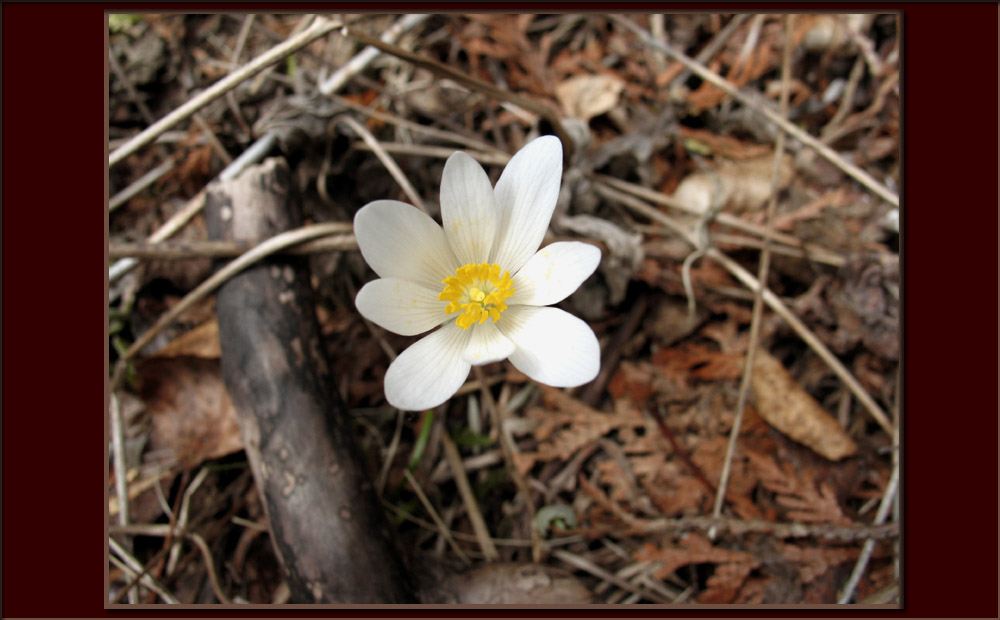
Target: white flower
[479, 278]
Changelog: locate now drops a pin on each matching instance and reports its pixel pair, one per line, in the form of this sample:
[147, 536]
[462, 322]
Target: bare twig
[129, 88]
[166, 530]
[486, 88]
[806, 250]
[140, 184]
[442, 134]
[272, 245]
[740, 527]
[129, 565]
[222, 249]
[177, 221]
[389, 163]
[866, 552]
[717, 80]
[366, 56]
[765, 263]
[439, 152]
[319, 28]
[779, 307]
[846, 100]
[713, 46]
[182, 516]
[213, 139]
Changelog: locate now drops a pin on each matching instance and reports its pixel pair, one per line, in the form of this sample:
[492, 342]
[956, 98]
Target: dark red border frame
[51, 422]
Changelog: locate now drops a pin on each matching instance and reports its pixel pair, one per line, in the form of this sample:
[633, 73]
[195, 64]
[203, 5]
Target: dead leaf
[190, 408]
[737, 186]
[725, 146]
[796, 490]
[202, 341]
[783, 403]
[587, 96]
[565, 425]
[812, 562]
[722, 587]
[692, 549]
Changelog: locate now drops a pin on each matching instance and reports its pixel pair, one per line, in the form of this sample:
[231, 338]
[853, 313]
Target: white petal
[554, 272]
[400, 306]
[553, 347]
[487, 344]
[430, 371]
[468, 210]
[526, 194]
[398, 240]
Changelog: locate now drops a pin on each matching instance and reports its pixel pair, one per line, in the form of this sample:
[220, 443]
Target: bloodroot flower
[479, 278]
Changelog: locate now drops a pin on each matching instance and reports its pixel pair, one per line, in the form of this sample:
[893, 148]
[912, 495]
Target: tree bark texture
[329, 531]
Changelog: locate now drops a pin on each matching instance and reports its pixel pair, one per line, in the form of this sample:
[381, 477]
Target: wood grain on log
[330, 533]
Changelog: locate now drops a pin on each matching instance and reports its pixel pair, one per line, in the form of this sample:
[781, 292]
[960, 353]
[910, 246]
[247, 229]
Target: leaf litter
[638, 465]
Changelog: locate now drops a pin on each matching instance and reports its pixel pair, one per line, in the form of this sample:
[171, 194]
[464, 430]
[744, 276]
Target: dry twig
[710, 76]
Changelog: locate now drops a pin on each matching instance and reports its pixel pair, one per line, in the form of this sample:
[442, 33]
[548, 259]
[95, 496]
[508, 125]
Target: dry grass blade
[442, 528]
[773, 301]
[765, 262]
[131, 566]
[808, 336]
[806, 250]
[497, 413]
[321, 27]
[585, 565]
[469, 499]
[387, 161]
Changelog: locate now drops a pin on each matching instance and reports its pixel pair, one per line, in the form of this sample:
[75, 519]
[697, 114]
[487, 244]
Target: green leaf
[468, 438]
[421, 443]
[121, 21]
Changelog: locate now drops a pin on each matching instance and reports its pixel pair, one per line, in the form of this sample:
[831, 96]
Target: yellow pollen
[478, 292]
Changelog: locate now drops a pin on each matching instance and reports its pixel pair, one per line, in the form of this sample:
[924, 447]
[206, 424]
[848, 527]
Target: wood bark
[329, 531]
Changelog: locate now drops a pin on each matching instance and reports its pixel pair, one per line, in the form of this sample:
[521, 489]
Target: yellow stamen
[477, 291]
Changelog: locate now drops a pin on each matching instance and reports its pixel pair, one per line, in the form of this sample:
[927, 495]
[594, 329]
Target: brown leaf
[190, 408]
[738, 186]
[722, 587]
[797, 491]
[693, 549]
[726, 146]
[566, 425]
[202, 341]
[812, 562]
[783, 403]
[587, 96]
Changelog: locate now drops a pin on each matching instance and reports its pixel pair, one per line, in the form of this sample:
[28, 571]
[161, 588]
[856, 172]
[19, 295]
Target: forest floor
[635, 484]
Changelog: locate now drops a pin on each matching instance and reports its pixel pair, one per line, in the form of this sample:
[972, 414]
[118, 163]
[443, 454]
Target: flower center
[478, 292]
